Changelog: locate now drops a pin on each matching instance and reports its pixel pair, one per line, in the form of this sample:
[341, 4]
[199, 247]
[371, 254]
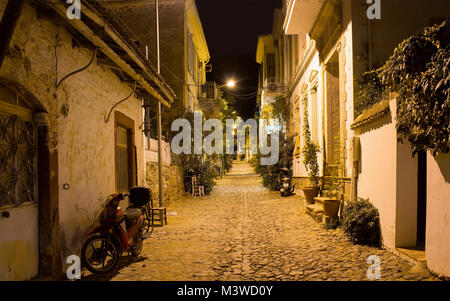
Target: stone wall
[173, 182]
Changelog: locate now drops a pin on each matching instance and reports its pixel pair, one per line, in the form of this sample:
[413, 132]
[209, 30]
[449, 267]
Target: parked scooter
[119, 231]
[285, 179]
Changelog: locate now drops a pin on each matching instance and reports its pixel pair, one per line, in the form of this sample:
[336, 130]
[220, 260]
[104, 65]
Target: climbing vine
[310, 150]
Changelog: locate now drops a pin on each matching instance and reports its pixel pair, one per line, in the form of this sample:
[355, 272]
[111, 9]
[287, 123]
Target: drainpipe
[356, 156]
[8, 24]
[160, 180]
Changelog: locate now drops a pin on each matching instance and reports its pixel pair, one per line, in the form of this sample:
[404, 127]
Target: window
[314, 117]
[192, 56]
[289, 57]
[122, 160]
[18, 156]
[125, 149]
[296, 51]
[270, 65]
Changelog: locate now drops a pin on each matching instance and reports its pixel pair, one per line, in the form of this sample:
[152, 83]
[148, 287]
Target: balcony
[300, 15]
[208, 99]
[274, 87]
[208, 91]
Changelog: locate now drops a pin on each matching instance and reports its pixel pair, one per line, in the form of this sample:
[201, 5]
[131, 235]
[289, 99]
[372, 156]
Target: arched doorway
[28, 202]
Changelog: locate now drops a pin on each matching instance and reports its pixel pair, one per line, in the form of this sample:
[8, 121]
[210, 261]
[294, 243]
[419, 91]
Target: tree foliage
[228, 111]
[270, 173]
[371, 91]
[281, 109]
[419, 71]
[199, 165]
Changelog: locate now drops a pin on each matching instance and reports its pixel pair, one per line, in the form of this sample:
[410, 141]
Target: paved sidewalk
[243, 231]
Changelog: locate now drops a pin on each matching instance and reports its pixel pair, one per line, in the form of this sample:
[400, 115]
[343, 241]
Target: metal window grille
[18, 159]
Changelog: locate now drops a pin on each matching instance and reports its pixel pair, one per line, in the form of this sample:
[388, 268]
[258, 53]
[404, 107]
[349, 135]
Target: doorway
[126, 169]
[19, 212]
[421, 200]
[333, 120]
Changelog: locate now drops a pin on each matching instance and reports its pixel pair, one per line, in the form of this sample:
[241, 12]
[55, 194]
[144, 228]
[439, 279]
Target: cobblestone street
[243, 231]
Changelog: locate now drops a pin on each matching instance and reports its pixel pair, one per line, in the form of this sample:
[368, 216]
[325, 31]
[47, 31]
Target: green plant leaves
[361, 223]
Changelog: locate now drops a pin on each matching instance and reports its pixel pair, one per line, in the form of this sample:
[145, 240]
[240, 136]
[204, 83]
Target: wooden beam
[8, 23]
[136, 58]
[81, 27]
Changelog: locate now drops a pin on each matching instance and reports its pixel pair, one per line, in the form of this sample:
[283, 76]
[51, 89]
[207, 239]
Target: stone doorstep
[314, 208]
[315, 211]
[400, 252]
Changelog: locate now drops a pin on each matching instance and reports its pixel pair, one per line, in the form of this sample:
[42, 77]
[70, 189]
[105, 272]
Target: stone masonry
[173, 184]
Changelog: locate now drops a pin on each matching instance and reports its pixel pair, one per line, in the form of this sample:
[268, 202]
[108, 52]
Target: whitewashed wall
[388, 178]
[438, 214]
[377, 174]
[151, 153]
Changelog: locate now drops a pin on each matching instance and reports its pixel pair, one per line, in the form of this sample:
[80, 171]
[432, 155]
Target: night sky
[232, 28]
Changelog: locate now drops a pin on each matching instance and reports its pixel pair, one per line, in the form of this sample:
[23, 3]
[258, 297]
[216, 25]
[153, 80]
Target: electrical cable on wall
[79, 70]
[119, 102]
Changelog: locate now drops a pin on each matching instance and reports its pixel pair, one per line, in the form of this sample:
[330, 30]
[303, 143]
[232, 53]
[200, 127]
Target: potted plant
[310, 151]
[332, 204]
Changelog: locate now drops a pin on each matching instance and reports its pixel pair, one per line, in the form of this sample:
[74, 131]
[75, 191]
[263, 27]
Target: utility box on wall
[356, 149]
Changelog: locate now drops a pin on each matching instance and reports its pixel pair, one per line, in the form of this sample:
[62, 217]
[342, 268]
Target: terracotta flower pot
[310, 193]
[331, 207]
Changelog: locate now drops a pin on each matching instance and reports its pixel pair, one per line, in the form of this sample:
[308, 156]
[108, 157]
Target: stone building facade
[71, 130]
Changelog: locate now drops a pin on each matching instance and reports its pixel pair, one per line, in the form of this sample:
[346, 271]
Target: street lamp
[230, 84]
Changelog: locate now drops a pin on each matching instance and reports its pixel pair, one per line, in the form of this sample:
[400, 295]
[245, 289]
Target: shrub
[227, 161]
[332, 224]
[361, 222]
[269, 174]
[202, 167]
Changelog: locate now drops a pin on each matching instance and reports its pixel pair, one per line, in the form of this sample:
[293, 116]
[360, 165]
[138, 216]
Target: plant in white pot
[310, 151]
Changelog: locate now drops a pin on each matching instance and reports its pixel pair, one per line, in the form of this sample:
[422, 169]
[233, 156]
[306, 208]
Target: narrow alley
[243, 231]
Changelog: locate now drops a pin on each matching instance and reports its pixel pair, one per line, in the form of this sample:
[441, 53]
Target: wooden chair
[197, 190]
[158, 214]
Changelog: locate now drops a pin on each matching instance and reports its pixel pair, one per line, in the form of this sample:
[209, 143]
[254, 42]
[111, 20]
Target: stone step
[314, 208]
[320, 200]
[315, 211]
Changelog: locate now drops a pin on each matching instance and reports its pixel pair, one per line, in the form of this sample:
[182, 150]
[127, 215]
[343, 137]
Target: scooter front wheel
[99, 255]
